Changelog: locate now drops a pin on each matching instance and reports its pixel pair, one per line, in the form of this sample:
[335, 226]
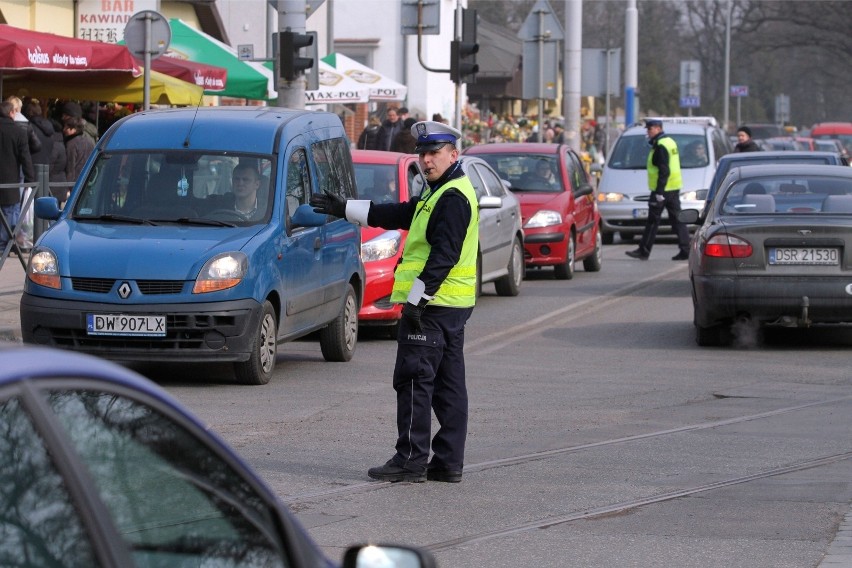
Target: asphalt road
[600, 435]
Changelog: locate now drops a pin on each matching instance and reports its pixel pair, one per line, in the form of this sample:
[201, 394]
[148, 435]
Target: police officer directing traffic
[435, 281]
[665, 183]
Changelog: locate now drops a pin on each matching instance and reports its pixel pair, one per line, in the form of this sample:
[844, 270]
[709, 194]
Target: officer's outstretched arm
[353, 210]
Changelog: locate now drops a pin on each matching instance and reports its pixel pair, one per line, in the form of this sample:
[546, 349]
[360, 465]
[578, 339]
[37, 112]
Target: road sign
[690, 102]
[426, 13]
[739, 90]
[541, 23]
[690, 79]
[139, 43]
[245, 51]
[539, 81]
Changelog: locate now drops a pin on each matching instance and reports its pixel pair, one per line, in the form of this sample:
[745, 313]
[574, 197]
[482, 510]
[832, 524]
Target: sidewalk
[11, 288]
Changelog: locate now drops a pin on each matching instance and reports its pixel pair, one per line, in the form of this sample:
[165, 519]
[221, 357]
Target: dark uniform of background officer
[436, 281]
[665, 182]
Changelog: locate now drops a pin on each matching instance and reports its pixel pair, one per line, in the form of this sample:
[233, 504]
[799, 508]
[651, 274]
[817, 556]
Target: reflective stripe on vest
[675, 180]
[459, 288]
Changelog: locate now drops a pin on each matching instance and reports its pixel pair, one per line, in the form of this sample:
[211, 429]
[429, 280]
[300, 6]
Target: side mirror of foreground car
[387, 556]
[689, 216]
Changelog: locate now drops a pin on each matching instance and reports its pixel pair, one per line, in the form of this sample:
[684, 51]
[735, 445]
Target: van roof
[702, 120]
[237, 129]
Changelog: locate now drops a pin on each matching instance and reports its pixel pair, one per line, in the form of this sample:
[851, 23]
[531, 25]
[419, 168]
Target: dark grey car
[775, 248]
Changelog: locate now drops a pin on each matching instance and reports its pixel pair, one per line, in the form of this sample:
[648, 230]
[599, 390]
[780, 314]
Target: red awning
[24, 51]
[209, 77]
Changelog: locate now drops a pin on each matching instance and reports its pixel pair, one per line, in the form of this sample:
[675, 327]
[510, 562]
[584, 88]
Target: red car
[390, 177]
[560, 217]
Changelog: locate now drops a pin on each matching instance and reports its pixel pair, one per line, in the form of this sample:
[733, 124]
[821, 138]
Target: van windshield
[631, 152]
[183, 186]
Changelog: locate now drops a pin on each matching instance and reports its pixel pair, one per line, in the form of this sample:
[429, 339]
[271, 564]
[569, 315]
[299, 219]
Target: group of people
[29, 138]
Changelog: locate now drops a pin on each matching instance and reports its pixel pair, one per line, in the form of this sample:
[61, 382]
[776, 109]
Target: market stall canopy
[165, 90]
[246, 79]
[336, 87]
[211, 78]
[28, 51]
[29, 54]
[381, 88]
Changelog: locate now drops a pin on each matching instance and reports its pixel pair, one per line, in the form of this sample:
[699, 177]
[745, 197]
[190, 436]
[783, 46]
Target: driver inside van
[245, 182]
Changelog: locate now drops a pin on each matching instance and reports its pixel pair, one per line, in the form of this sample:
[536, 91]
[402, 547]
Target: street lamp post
[727, 93]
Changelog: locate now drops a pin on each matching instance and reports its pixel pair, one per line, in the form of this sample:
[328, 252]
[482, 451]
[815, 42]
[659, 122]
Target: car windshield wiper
[118, 218]
[197, 221]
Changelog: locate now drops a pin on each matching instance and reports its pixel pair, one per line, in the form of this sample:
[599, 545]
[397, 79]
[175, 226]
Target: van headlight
[544, 218]
[43, 268]
[610, 197]
[694, 195]
[381, 247]
[221, 272]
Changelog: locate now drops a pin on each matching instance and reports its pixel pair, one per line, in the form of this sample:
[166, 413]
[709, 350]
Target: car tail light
[727, 246]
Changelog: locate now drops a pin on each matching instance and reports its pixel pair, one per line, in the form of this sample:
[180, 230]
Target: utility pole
[291, 18]
[572, 76]
[631, 64]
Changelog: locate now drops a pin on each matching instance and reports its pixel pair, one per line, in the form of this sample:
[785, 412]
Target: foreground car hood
[534, 201]
[165, 252]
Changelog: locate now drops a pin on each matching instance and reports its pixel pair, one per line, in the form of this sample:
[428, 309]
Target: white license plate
[640, 213]
[125, 324]
[804, 255]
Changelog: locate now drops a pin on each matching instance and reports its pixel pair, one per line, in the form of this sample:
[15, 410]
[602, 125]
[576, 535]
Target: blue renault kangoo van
[188, 238]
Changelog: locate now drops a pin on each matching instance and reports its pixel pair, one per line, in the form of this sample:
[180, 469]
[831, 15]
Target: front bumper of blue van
[205, 332]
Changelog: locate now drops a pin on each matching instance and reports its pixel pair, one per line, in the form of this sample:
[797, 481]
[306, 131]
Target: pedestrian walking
[369, 136]
[15, 161]
[404, 141]
[436, 283]
[388, 130]
[744, 141]
[665, 183]
[78, 147]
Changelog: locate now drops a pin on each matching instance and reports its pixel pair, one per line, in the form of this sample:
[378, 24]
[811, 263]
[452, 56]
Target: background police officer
[665, 182]
[435, 281]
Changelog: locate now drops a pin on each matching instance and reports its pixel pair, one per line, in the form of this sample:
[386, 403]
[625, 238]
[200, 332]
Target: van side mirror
[387, 556]
[305, 216]
[47, 208]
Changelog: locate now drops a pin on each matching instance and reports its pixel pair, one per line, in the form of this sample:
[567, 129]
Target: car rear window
[789, 196]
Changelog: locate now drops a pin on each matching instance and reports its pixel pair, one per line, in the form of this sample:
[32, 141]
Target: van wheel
[339, 338]
[510, 285]
[566, 271]
[258, 369]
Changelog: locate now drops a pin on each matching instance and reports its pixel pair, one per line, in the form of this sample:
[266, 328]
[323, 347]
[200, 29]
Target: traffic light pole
[291, 18]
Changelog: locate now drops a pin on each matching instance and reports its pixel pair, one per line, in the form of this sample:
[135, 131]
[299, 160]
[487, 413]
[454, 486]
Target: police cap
[432, 136]
[653, 122]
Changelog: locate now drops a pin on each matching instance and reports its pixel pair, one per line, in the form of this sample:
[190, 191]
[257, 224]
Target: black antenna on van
[191, 124]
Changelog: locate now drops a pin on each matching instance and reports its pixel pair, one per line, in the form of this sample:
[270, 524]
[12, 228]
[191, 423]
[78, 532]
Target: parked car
[775, 248]
[835, 130]
[156, 258]
[560, 217]
[390, 177]
[761, 130]
[623, 191]
[101, 467]
[739, 159]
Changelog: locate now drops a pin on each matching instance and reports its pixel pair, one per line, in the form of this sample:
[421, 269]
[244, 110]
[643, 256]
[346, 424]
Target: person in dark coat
[388, 130]
[15, 160]
[404, 141]
[32, 140]
[58, 159]
[744, 141]
[78, 147]
[43, 130]
[369, 136]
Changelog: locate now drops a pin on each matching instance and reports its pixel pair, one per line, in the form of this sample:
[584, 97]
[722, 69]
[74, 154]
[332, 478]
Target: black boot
[393, 472]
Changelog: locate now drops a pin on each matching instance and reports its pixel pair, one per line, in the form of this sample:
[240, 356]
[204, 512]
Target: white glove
[660, 198]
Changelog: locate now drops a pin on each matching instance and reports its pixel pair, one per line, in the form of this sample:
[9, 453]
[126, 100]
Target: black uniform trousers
[430, 375]
[655, 214]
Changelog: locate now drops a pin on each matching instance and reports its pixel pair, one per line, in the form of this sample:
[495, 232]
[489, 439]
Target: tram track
[370, 486]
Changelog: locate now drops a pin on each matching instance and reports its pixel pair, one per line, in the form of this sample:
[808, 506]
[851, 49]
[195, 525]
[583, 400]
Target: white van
[623, 192]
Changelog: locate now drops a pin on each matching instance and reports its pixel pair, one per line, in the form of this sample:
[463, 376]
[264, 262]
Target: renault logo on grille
[124, 290]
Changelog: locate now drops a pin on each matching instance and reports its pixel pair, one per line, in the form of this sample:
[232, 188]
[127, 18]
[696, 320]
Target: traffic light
[463, 67]
[292, 64]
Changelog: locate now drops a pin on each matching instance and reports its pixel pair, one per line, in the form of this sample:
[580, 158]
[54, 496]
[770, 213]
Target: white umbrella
[336, 87]
[381, 88]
